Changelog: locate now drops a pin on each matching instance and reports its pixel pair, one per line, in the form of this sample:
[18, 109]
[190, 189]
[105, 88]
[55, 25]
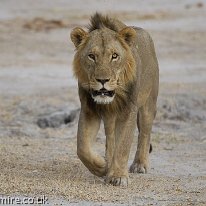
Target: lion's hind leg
[146, 115]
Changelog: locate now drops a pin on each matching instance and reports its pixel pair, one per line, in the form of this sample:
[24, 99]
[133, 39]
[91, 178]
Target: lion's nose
[102, 81]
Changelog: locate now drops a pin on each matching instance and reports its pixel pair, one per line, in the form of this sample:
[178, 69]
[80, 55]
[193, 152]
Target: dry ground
[36, 79]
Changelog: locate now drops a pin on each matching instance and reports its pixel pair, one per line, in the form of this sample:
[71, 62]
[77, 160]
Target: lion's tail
[150, 148]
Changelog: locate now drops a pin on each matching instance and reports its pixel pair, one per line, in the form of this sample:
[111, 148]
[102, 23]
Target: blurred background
[36, 80]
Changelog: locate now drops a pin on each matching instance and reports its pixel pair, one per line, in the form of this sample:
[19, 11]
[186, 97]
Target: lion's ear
[77, 35]
[128, 34]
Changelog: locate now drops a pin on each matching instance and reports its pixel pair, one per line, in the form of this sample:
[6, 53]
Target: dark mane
[99, 21]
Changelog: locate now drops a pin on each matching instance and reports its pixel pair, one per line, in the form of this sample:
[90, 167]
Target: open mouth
[102, 92]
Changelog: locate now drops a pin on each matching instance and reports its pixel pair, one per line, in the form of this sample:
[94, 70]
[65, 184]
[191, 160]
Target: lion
[118, 79]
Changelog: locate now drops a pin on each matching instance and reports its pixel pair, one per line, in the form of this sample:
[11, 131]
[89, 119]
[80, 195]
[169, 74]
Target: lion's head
[104, 64]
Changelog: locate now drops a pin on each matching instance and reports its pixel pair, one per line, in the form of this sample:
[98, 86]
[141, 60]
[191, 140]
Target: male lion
[118, 79]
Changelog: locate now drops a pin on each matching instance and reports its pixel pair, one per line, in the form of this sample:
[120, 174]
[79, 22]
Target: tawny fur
[134, 77]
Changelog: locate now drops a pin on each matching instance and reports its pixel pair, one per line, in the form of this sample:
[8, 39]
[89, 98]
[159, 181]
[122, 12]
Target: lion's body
[118, 77]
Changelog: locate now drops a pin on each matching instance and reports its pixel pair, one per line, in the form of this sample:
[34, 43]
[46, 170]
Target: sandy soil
[36, 79]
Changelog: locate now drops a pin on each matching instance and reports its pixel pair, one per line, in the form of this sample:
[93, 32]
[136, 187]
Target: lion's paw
[138, 168]
[117, 181]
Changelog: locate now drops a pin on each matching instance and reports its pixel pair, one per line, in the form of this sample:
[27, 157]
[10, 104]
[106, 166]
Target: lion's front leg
[109, 126]
[88, 127]
[117, 174]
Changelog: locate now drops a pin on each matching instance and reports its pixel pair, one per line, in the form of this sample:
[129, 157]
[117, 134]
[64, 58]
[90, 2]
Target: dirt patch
[183, 107]
[39, 24]
[198, 5]
[58, 119]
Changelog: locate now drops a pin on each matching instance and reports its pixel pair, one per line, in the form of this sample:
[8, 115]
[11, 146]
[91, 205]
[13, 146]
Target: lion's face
[101, 61]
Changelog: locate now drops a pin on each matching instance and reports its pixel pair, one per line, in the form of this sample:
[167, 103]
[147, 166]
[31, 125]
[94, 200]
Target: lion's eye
[114, 56]
[91, 57]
